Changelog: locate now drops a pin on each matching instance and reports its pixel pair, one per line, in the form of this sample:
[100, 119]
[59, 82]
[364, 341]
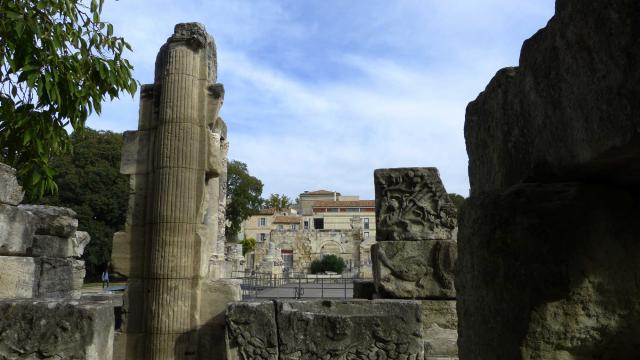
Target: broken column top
[412, 204]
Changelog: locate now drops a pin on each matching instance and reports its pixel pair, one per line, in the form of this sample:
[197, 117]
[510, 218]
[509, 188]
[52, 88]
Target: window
[280, 227]
[318, 223]
[366, 234]
[365, 224]
[306, 224]
[294, 226]
[263, 237]
[263, 221]
[332, 210]
[353, 209]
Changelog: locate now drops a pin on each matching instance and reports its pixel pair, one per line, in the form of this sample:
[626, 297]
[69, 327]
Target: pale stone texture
[412, 204]
[19, 277]
[16, 230]
[440, 329]
[61, 278]
[53, 220]
[216, 295]
[251, 331]
[415, 269]
[55, 246]
[379, 329]
[48, 329]
[10, 190]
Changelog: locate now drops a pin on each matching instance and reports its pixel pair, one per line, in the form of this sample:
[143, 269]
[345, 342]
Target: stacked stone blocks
[416, 251]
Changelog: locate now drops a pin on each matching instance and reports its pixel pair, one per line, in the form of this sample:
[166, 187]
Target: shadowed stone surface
[550, 272]
[53, 220]
[61, 278]
[47, 329]
[412, 204]
[16, 230]
[10, 190]
[55, 246]
[415, 269]
[569, 111]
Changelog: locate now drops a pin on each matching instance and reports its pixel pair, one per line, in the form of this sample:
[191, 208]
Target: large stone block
[61, 278]
[550, 271]
[440, 328]
[415, 269]
[55, 246]
[127, 255]
[214, 298]
[19, 277]
[570, 110]
[53, 220]
[135, 152]
[10, 190]
[251, 331]
[16, 230]
[55, 330]
[412, 204]
[379, 329]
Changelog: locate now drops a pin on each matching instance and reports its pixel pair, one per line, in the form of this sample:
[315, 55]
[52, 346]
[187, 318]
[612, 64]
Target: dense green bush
[328, 263]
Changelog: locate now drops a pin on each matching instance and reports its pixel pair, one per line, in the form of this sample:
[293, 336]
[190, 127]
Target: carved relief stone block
[412, 204]
[251, 331]
[415, 269]
[356, 329]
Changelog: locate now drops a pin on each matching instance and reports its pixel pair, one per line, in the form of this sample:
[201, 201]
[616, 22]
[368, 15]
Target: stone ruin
[410, 312]
[41, 281]
[548, 241]
[173, 249]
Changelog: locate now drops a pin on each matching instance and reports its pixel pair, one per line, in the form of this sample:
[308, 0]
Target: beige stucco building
[325, 222]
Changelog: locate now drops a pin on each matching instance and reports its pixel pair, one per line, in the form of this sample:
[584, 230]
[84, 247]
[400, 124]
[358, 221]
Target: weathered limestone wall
[548, 239]
[41, 280]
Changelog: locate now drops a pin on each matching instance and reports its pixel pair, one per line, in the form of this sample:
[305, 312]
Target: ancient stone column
[174, 159]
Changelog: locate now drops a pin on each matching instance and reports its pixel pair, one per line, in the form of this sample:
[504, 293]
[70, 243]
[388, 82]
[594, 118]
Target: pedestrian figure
[105, 279]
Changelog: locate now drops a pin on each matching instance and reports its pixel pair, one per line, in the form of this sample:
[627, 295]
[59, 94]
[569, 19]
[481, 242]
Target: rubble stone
[16, 230]
[10, 190]
[415, 269]
[412, 204]
[47, 329]
[53, 220]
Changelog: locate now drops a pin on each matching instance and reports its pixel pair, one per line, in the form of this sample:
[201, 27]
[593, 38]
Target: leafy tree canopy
[248, 245]
[58, 63]
[278, 202]
[458, 200]
[243, 197]
[90, 183]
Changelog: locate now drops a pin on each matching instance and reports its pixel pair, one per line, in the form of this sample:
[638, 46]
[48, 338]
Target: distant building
[325, 222]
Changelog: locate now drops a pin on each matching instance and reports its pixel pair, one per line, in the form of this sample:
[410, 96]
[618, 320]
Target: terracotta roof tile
[287, 220]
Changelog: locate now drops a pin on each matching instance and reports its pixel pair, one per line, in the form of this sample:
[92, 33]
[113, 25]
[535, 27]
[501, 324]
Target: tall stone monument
[415, 253]
[171, 238]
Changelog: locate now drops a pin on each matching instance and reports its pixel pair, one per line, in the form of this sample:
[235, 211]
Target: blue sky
[320, 93]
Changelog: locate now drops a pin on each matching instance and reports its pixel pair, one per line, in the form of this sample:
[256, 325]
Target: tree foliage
[90, 183]
[458, 200]
[243, 197]
[330, 262]
[248, 245]
[58, 63]
[278, 202]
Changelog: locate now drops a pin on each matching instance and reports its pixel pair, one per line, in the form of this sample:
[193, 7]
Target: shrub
[328, 263]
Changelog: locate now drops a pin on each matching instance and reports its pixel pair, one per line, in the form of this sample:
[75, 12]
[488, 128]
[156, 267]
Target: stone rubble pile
[41, 279]
[416, 251]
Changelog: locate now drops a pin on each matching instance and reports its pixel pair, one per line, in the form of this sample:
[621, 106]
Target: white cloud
[320, 94]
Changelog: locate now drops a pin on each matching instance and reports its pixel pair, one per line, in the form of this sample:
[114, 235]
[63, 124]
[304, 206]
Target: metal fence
[295, 286]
